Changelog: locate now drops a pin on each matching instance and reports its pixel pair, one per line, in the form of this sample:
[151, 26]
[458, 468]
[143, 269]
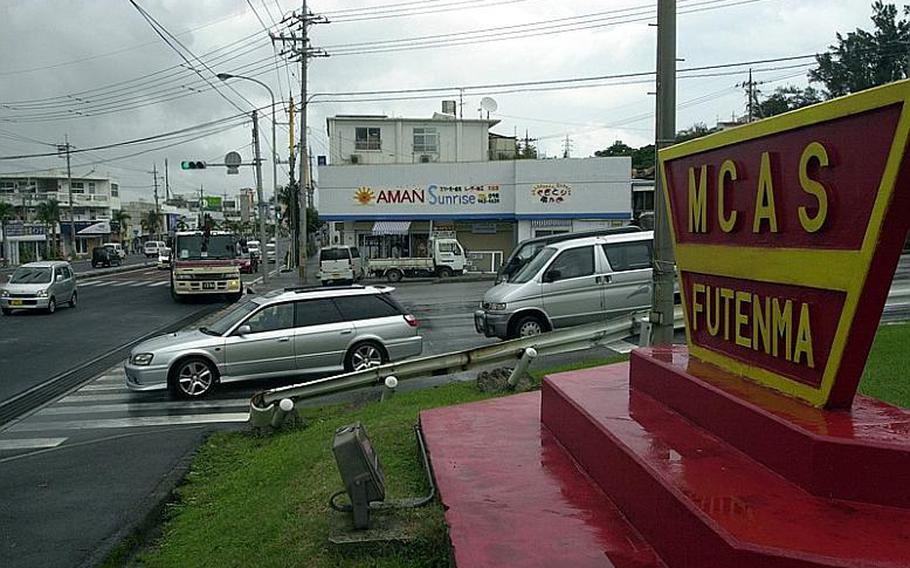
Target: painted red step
[515, 498]
[860, 454]
[700, 502]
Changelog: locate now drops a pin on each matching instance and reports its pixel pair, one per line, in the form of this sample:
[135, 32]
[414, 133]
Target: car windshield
[529, 270]
[198, 247]
[228, 320]
[30, 275]
[519, 258]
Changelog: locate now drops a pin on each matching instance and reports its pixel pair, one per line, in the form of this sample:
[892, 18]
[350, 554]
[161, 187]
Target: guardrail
[264, 411]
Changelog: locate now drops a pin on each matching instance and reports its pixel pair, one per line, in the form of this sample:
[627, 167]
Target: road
[77, 472]
[85, 266]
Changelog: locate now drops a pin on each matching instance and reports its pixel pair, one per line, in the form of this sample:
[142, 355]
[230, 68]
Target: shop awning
[391, 227]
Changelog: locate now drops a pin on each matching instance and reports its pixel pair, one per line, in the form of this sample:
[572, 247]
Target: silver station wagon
[284, 333]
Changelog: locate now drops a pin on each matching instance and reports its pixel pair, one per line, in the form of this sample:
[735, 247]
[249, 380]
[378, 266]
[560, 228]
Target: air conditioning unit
[355, 158]
[425, 158]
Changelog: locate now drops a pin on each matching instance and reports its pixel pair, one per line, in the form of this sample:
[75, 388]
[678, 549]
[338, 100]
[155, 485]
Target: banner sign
[787, 235]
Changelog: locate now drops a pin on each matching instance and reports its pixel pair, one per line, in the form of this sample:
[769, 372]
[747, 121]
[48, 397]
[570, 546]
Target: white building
[379, 139]
[95, 198]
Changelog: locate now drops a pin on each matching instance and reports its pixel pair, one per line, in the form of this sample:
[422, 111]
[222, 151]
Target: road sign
[232, 160]
[787, 234]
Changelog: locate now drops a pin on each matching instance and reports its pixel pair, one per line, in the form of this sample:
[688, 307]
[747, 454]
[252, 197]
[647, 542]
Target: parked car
[105, 256]
[249, 264]
[39, 286]
[117, 248]
[164, 258]
[286, 332]
[270, 251]
[340, 264]
[150, 248]
[576, 281]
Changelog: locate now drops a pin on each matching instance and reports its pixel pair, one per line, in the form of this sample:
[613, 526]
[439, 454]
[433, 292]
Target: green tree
[121, 217]
[6, 213]
[525, 151]
[48, 212]
[150, 222]
[642, 158]
[697, 130]
[785, 99]
[861, 59]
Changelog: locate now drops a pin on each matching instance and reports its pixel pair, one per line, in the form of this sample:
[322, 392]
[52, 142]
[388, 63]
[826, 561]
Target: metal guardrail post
[521, 368]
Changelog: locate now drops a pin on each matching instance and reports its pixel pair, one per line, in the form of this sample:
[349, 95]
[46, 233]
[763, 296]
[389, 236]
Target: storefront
[25, 242]
[393, 210]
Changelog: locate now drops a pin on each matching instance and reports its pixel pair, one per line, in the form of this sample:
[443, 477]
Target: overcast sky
[96, 71]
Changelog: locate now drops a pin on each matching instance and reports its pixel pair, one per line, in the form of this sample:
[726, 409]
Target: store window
[426, 141]
[367, 138]
[549, 232]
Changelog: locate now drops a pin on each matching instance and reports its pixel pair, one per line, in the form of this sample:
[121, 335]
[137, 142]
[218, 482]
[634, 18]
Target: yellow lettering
[742, 319]
[804, 338]
[782, 324]
[713, 326]
[727, 295]
[727, 170]
[760, 320]
[697, 289]
[698, 201]
[817, 151]
[764, 196]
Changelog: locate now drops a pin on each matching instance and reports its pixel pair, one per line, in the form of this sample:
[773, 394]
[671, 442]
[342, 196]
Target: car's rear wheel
[73, 300]
[193, 378]
[394, 275]
[365, 355]
[51, 305]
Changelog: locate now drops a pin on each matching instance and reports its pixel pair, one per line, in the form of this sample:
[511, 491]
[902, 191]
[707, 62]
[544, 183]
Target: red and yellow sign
[787, 235]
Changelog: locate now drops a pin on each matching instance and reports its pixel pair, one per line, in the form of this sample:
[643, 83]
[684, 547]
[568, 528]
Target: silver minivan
[39, 286]
[570, 283]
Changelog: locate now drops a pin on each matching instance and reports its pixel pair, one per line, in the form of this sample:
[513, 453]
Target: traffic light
[192, 165]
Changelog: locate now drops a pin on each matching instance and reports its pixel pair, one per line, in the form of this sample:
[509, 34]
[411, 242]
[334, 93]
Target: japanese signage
[787, 234]
[551, 192]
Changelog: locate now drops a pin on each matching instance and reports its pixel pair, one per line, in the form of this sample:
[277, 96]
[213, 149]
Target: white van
[340, 264]
[151, 248]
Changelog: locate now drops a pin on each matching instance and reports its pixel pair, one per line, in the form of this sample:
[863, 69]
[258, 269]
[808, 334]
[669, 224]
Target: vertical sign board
[787, 232]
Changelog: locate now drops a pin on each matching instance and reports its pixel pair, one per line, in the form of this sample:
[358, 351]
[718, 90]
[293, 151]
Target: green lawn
[251, 501]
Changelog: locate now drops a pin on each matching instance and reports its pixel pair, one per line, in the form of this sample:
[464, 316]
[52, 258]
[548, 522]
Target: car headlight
[184, 276]
[495, 306]
[4, 293]
[141, 359]
[41, 293]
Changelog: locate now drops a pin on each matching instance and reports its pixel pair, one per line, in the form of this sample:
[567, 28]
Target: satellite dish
[488, 104]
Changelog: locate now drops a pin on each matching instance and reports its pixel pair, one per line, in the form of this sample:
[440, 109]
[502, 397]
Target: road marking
[30, 443]
[80, 397]
[134, 422]
[140, 406]
[141, 283]
[108, 386]
[162, 283]
[126, 283]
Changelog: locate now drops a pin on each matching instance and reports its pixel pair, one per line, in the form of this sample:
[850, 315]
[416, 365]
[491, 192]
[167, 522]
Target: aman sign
[787, 234]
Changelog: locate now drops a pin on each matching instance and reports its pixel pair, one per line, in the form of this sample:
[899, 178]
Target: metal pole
[274, 182]
[157, 210]
[664, 270]
[292, 201]
[303, 185]
[265, 264]
[69, 181]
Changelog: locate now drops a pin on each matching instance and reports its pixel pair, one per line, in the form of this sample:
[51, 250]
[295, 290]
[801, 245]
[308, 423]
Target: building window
[7, 186]
[367, 139]
[78, 187]
[91, 187]
[426, 141]
[115, 190]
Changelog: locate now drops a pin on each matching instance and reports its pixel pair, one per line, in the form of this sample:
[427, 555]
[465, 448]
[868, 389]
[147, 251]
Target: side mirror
[244, 330]
[552, 276]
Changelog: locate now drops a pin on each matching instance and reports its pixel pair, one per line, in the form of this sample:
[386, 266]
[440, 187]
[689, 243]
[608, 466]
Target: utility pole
[262, 205]
[304, 52]
[157, 210]
[664, 272]
[167, 183]
[751, 95]
[292, 203]
[69, 182]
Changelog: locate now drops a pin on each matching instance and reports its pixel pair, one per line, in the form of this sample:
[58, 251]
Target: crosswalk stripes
[123, 283]
[105, 404]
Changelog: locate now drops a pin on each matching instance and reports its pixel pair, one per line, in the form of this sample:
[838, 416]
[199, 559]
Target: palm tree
[6, 213]
[121, 217]
[48, 212]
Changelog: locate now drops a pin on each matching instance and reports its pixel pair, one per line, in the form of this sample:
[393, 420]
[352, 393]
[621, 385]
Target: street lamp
[262, 205]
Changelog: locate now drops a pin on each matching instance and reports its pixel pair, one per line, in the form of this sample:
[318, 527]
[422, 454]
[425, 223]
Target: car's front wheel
[528, 326]
[73, 300]
[51, 305]
[364, 355]
[193, 378]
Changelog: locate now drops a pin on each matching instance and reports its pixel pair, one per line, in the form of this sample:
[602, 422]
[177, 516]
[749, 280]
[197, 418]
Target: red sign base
[712, 472]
